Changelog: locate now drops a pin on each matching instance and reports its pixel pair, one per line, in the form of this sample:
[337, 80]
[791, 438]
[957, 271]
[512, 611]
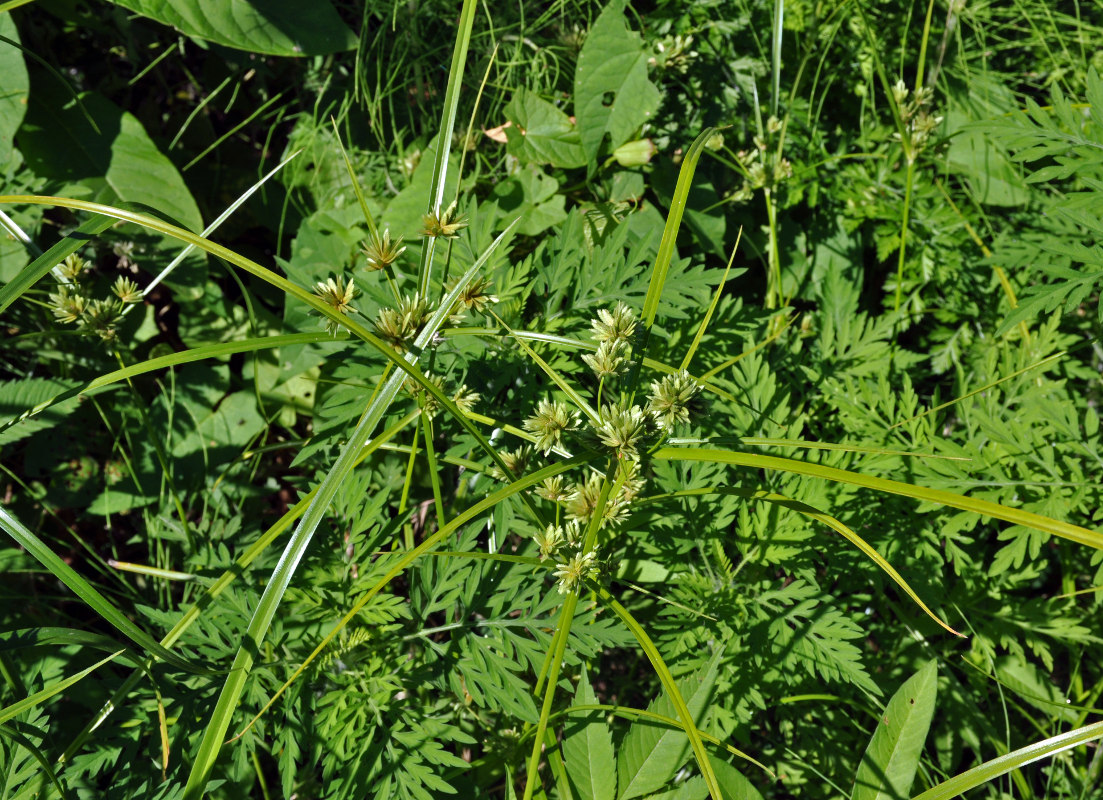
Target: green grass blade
[759, 441]
[225, 215]
[175, 360]
[308, 298]
[355, 181]
[712, 307]
[277, 584]
[825, 519]
[35, 547]
[559, 380]
[409, 556]
[982, 389]
[670, 232]
[444, 137]
[990, 770]
[64, 637]
[638, 713]
[43, 762]
[431, 460]
[689, 725]
[37, 269]
[18, 707]
[216, 588]
[304, 296]
[777, 29]
[1015, 516]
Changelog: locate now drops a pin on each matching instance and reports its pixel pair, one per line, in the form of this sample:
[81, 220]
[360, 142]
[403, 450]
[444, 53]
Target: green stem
[407, 528]
[773, 275]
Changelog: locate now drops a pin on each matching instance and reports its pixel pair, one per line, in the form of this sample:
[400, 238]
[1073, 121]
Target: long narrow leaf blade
[444, 136]
[673, 223]
[18, 707]
[1015, 516]
[219, 724]
[37, 269]
[990, 770]
[38, 549]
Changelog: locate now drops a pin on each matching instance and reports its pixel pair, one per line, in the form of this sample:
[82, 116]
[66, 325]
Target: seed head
[126, 290]
[338, 295]
[101, 317]
[380, 252]
[67, 307]
[670, 396]
[583, 502]
[632, 484]
[441, 225]
[550, 421]
[622, 427]
[515, 460]
[72, 267]
[549, 541]
[574, 571]
[552, 489]
[465, 399]
[475, 295]
[609, 360]
[400, 325]
[617, 325]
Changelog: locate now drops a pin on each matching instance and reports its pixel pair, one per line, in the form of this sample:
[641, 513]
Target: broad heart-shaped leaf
[541, 133]
[612, 66]
[651, 754]
[273, 27]
[588, 750]
[889, 765]
[13, 88]
[117, 163]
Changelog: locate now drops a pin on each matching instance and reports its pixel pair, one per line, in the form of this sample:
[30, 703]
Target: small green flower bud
[101, 317]
[583, 502]
[335, 293]
[442, 225]
[67, 307]
[617, 325]
[399, 326]
[552, 489]
[549, 541]
[900, 92]
[635, 153]
[72, 267]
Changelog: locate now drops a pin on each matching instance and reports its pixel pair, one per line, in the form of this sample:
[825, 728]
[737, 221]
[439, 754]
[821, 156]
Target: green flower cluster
[70, 303]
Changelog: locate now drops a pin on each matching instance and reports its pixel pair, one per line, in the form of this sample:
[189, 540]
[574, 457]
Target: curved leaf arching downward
[1015, 516]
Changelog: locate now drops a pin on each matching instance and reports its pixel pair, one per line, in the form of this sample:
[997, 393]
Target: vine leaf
[612, 91]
